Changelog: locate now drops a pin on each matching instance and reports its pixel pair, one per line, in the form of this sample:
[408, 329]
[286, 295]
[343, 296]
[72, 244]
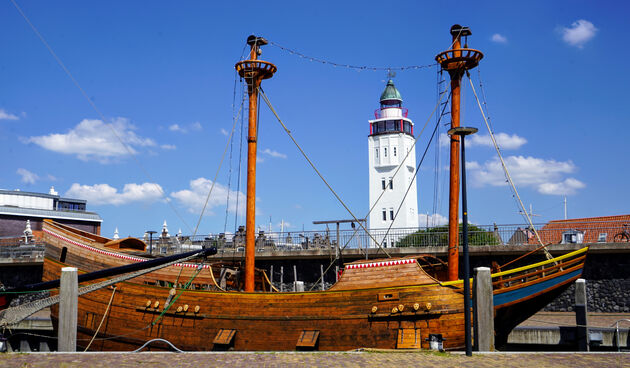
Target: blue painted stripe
[517, 294]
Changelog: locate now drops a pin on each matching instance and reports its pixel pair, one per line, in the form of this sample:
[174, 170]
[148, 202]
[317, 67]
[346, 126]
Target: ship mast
[253, 71]
[456, 61]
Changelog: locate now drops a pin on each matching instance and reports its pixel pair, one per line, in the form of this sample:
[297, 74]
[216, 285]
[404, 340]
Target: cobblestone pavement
[349, 359]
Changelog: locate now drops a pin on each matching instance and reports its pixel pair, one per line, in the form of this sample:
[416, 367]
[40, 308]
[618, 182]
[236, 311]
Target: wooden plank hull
[375, 304]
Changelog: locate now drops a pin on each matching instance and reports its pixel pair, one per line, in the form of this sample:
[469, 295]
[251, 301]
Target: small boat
[379, 303]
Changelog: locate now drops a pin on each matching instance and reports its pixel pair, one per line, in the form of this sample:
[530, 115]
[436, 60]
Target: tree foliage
[438, 236]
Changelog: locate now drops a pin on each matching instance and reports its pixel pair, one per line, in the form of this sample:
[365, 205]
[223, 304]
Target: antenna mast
[253, 71]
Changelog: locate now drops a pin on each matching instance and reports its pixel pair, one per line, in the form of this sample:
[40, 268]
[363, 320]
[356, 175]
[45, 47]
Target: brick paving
[319, 359]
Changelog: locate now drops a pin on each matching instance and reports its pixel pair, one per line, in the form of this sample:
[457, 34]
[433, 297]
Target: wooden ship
[385, 303]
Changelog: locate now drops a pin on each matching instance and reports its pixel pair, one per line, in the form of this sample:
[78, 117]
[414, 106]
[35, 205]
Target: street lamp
[463, 132]
[151, 232]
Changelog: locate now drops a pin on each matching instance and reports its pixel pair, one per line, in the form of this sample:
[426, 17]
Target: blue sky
[162, 73]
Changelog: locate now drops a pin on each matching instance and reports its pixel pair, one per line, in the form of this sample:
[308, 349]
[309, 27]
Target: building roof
[51, 214]
[591, 227]
[390, 92]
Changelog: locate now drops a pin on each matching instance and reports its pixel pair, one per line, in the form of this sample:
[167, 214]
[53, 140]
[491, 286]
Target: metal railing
[22, 253]
[478, 235]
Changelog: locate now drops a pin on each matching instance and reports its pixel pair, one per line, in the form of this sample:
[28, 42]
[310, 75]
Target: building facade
[390, 143]
[16, 207]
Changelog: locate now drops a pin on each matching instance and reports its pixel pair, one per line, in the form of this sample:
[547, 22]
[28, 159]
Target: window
[391, 183]
[384, 215]
[385, 152]
[602, 237]
[376, 153]
[394, 151]
[391, 214]
[383, 183]
[572, 237]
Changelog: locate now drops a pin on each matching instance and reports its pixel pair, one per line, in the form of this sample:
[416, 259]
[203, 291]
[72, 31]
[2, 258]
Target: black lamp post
[463, 132]
[151, 232]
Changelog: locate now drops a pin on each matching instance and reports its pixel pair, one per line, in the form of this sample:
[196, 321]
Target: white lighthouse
[391, 137]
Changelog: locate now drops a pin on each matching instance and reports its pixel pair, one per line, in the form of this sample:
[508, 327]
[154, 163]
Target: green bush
[438, 236]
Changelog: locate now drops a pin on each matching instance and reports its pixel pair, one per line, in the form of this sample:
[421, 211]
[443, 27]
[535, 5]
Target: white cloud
[568, 186]
[504, 140]
[433, 220]
[546, 176]
[195, 197]
[106, 194]
[579, 33]
[224, 132]
[27, 176]
[168, 147]
[7, 116]
[94, 140]
[273, 153]
[196, 126]
[499, 38]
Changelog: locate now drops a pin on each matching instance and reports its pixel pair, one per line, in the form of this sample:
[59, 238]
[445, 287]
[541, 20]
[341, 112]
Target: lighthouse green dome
[390, 92]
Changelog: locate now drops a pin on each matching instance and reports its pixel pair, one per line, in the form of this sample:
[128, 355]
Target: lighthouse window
[407, 127]
[391, 183]
[394, 151]
[391, 125]
[376, 152]
[385, 152]
[384, 215]
[391, 214]
[383, 183]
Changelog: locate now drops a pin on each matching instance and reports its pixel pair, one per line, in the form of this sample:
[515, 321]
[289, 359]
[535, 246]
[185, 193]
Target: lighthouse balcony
[390, 112]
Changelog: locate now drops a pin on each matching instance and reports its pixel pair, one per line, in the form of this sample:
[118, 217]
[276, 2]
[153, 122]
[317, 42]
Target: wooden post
[281, 278]
[483, 310]
[271, 279]
[321, 269]
[294, 278]
[581, 319]
[68, 307]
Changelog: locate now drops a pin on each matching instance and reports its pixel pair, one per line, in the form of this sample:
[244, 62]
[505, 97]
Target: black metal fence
[479, 235]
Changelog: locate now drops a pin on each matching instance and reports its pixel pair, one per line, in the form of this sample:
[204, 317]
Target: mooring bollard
[271, 279]
[581, 320]
[68, 306]
[281, 278]
[483, 310]
[294, 277]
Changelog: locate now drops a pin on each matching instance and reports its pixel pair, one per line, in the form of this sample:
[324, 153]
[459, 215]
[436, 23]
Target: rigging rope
[216, 174]
[507, 173]
[349, 66]
[264, 96]
[383, 191]
[415, 174]
[100, 114]
[14, 315]
[111, 299]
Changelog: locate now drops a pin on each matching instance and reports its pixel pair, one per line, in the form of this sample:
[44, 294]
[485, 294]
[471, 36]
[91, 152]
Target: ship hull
[376, 304]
